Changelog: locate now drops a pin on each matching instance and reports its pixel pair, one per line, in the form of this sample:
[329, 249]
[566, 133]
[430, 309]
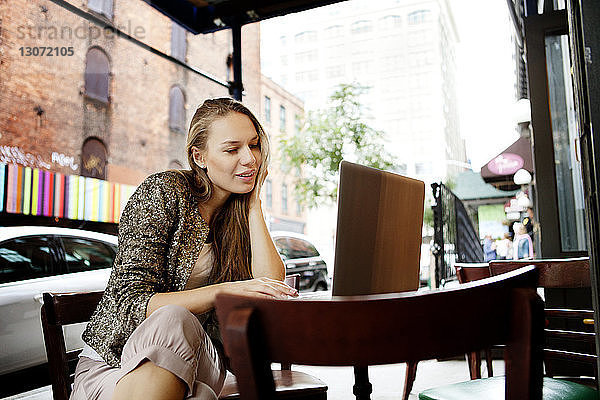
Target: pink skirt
[172, 338]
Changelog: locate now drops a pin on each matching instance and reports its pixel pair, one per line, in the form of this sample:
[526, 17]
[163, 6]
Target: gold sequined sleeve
[144, 230]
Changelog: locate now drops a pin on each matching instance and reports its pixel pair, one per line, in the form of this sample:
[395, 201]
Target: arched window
[97, 71]
[93, 159]
[418, 17]
[176, 110]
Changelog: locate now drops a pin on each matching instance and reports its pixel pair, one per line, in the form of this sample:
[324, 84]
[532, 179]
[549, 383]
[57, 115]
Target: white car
[34, 260]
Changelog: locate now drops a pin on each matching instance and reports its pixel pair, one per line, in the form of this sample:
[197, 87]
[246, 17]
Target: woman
[522, 244]
[184, 236]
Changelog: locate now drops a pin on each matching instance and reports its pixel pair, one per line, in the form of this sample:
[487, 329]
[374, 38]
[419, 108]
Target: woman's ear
[198, 158]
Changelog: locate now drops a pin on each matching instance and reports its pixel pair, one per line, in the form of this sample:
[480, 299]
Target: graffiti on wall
[15, 155]
[64, 161]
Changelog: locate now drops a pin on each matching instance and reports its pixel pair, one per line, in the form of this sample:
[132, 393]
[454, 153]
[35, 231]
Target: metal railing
[455, 238]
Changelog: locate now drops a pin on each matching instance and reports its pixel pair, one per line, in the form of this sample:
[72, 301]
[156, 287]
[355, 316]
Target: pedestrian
[522, 244]
[528, 222]
[504, 250]
[184, 237]
[489, 248]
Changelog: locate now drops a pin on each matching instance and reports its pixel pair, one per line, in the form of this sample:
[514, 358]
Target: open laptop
[378, 239]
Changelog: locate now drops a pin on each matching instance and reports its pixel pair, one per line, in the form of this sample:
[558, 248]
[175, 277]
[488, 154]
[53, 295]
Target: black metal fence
[455, 238]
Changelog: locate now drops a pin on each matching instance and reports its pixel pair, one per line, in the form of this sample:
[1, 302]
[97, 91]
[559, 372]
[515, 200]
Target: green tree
[328, 136]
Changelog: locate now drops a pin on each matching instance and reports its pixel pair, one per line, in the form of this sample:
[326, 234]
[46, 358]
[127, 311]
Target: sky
[485, 81]
[485, 78]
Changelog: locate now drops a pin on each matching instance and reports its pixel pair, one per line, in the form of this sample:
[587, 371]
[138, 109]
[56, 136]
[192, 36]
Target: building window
[178, 42]
[391, 21]
[335, 71]
[418, 17]
[96, 76]
[104, 7]
[269, 193]
[284, 199]
[268, 109]
[334, 31]
[176, 110]
[297, 124]
[298, 207]
[362, 26]
[306, 37]
[93, 159]
[282, 118]
[423, 168]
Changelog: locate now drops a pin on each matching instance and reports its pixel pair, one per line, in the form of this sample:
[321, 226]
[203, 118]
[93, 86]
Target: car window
[299, 248]
[27, 258]
[83, 254]
[282, 247]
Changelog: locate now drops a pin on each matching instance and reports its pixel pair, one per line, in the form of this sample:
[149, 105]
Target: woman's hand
[260, 287]
[255, 198]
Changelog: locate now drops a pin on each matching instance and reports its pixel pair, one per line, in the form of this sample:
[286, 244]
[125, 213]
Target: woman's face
[232, 155]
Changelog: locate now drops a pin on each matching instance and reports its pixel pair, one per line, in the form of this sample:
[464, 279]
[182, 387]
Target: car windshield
[295, 248]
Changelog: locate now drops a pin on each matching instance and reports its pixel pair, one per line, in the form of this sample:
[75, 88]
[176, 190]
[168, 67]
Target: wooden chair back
[384, 329]
[62, 309]
[569, 333]
[468, 272]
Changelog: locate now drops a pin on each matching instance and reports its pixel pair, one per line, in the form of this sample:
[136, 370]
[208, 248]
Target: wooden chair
[61, 309]
[569, 332]
[469, 272]
[384, 329]
[573, 273]
[465, 272]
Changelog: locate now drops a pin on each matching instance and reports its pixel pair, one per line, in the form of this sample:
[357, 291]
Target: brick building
[281, 113]
[77, 98]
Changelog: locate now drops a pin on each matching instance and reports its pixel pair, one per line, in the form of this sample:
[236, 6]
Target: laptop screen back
[378, 239]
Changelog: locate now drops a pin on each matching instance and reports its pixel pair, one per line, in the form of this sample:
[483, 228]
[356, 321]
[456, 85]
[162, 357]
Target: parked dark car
[301, 257]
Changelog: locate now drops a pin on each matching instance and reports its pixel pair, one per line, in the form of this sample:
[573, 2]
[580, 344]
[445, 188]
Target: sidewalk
[387, 380]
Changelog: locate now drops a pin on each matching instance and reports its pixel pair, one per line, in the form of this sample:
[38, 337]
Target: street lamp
[522, 177]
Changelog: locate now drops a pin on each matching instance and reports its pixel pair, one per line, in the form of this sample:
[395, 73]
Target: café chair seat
[288, 385]
[493, 388]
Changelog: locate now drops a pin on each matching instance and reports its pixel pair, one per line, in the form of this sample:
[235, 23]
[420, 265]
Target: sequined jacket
[161, 234]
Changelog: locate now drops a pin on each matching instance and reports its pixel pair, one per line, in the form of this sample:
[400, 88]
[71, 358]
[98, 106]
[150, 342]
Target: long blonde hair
[231, 233]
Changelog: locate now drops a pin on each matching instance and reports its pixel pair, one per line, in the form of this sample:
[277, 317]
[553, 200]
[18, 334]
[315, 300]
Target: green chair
[493, 388]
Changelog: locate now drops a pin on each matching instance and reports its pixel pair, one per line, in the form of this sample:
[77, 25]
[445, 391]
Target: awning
[204, 16]
[500, 170]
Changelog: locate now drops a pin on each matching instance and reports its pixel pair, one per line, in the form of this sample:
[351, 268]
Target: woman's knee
[173, 312]
[171, 327]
